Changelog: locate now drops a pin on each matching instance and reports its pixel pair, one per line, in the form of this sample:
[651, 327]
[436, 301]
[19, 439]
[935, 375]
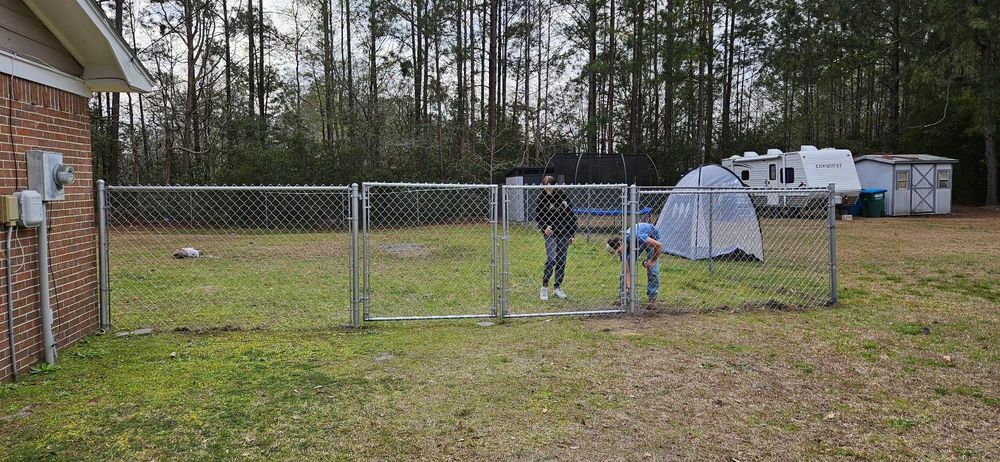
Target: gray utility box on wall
[47, 174]
[31, 209]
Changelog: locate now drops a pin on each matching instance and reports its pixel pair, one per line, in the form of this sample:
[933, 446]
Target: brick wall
[53, 120]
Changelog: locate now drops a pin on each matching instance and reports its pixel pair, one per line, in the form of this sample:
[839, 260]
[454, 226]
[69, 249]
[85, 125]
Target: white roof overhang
[109, 64]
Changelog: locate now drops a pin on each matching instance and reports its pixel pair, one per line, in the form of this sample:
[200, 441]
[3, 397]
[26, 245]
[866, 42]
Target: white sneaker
[544, 294]
[559, 293]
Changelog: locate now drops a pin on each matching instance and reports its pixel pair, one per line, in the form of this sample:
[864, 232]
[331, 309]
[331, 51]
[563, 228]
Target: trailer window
[745, 175]
[902, 179]
[772, 172]
[944, 179]
[788, 175]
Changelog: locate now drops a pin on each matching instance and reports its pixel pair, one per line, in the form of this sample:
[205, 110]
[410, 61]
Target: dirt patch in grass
[964, 212]
[763, 386]
[766, 306]
[405, 249]
[903, 368]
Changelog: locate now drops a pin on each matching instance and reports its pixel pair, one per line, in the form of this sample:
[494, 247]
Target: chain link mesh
[282, 257]
[555, 260]
[268, 257]
[430, 251]
[740, 249]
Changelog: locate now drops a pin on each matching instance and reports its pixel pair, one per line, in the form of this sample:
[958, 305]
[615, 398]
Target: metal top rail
[565, 186]
[430, 185]
[226, 188]
[786, 188]
[711, 190]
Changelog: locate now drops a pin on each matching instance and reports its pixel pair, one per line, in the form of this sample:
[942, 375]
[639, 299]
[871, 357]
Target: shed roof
[109, 63]
[907, 159]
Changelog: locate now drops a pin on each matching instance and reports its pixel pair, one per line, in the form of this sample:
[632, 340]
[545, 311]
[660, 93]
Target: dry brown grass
[905, 368]
[862, 380]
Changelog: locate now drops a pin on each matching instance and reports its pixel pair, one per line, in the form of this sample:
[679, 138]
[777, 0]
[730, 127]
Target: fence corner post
[832, 225]
[102, 257]
[494, 252]
[355, 266]
[499, 269]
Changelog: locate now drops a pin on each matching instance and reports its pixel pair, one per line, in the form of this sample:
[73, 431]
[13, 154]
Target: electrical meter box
[31, 209]
[48, 175]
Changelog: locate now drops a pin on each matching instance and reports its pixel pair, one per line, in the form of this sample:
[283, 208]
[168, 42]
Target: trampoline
[608, 212]
[602, 220]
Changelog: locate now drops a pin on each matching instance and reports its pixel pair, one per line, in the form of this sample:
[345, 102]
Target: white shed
[915, 184]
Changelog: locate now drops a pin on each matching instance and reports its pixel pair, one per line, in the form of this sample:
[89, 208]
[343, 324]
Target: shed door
[922, 192]
[901, 189]
[944, 179]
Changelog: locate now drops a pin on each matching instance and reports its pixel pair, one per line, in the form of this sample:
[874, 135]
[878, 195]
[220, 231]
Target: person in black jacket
[557, 222]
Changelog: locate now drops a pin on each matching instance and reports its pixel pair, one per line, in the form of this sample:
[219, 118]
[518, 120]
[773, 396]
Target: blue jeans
[652, 275]
[652, 278]
[556, 250]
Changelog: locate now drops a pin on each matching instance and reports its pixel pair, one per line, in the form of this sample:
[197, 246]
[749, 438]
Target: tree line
[332, 92]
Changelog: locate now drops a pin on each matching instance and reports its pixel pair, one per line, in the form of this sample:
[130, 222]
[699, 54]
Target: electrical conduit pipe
[10, 303]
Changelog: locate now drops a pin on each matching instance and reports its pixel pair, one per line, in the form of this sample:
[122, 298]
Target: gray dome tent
[685, 224]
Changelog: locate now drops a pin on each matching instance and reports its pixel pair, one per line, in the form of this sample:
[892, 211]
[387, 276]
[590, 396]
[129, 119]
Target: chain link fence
[741, 248]
[229, 257]
[429, 251]
[315, 257]
[554, 248]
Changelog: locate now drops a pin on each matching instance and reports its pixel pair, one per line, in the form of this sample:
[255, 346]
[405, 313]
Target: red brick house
[53, 55]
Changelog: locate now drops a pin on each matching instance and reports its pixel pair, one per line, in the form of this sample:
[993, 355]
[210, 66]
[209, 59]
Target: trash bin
[872, 202]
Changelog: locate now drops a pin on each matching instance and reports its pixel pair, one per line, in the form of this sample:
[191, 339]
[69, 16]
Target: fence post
[365, 251]
[832, 225]
[494, 214]
[102, 258]
[632, 224]
[501, 245]
[355, 260]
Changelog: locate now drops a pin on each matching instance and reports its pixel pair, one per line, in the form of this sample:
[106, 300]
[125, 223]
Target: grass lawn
[904, 368]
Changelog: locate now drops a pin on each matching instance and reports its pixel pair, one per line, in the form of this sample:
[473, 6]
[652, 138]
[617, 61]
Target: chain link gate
[553, 250]
[267, 256]
[429, 251]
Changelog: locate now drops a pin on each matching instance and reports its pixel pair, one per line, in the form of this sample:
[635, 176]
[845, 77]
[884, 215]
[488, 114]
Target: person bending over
[647, 242]
[557, 222]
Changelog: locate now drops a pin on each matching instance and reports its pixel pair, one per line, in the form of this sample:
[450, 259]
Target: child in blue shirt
[647, 242]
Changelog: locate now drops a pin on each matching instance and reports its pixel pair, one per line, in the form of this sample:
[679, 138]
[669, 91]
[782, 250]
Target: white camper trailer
[807, 168]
